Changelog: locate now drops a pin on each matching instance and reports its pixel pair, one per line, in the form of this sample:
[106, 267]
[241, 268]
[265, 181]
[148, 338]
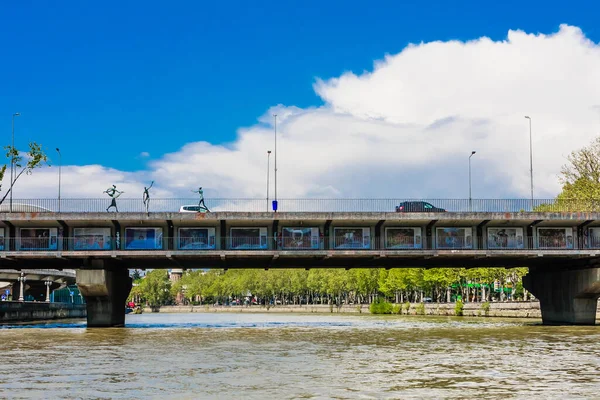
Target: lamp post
[48, 283]
[268, 167]
[470, 198]
[12, 158]
[22, 280]
[59, 173]
[530, 160]
[275, 151]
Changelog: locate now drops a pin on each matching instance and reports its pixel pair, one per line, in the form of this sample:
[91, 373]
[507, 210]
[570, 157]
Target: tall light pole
[275, 201]
[268, 168]
[12, 158]
[59, 173]
[530, 160]
[470, 198]
[21, 280]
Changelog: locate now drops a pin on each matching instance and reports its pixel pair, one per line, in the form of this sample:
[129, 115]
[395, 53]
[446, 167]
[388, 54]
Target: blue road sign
[72, 293]
[7, 291]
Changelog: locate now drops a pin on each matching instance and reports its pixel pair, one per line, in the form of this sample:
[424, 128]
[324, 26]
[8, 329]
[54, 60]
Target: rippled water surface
[276, 356]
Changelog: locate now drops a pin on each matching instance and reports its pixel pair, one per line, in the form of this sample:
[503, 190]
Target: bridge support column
[105, 292]
[568, 297]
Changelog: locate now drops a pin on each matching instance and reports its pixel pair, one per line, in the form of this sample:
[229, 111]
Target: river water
[290, 356]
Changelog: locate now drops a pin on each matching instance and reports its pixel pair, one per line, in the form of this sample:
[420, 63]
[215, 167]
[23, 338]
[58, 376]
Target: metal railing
[306, 205]
[333, 242]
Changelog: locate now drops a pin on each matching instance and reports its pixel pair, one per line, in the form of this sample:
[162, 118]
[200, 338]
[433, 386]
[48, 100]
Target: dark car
[417, 206]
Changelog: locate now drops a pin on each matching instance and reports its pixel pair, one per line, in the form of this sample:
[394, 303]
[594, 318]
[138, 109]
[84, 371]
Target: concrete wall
[507, 310]
[16, 311]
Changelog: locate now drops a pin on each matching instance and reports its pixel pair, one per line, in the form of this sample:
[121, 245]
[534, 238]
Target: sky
[374, 100]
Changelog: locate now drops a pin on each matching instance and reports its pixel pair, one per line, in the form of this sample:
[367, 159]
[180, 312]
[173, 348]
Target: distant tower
[175, 275]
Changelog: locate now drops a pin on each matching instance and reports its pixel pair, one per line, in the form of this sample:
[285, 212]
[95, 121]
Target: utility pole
[470, 198]
[12, 159]
[268, 168]
[59, 173]
[275, 202]
[530, 160]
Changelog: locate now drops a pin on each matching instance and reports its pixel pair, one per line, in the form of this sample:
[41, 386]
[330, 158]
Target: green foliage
[380, 307]
[580, 178]
[397, 309]
[458, 308]
[35, 157]
[155, 288]
[333, 286]
[420, 309]
[486, 308]
[406, 307]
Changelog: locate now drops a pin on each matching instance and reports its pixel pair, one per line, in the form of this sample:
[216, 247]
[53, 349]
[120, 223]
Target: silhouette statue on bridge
[201, 205]
[114, 194]
[146, 197]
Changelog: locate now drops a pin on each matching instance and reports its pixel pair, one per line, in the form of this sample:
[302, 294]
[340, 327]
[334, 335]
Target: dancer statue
[146, 197]
[114, 194]
[201, 205]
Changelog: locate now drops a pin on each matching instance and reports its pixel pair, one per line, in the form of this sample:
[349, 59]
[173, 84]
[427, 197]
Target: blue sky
[106, 81]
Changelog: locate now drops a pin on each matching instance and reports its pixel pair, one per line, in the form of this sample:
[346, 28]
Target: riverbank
[20, 311]
[522, 309]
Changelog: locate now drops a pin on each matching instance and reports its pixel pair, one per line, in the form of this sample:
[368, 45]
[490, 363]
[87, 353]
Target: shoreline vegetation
[268, 288]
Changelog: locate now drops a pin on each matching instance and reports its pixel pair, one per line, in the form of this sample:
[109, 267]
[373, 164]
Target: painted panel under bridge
[38, 239]
[454, 238]
[505, 238]
[555, 238]
[143, 238]
[300, 238]
[352, 238]
[91, 239]
[196, 238]
[248, 238]
[403, 238]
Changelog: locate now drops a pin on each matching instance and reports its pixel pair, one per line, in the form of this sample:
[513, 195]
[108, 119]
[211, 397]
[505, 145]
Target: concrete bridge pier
[567, 296]
[105, 291]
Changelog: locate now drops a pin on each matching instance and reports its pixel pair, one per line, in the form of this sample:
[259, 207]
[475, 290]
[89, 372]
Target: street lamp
[530, 160]
[48, 283]
[268, 167]
[59, 173]
[21, 280]
[470, 199]
[275, 151]
[12, 158]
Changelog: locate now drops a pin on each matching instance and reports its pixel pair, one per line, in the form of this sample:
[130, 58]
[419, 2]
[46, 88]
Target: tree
[35, 158]
[580, 178]
[155, 288]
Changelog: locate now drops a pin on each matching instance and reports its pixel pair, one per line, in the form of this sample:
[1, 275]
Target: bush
[406, 307]
[458, 308]
[420, 309]
[380, 307]
[486, 308]
[397, 309]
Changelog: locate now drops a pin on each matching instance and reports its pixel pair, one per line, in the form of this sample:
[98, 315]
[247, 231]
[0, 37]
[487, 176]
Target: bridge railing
[307, 243]
[303, 205]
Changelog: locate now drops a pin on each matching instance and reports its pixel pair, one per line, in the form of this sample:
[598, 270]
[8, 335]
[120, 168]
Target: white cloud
[144, 154]
[405, 129]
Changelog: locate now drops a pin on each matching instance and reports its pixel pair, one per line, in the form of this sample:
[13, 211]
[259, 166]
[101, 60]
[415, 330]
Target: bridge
[35, 281]
[560, 249]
